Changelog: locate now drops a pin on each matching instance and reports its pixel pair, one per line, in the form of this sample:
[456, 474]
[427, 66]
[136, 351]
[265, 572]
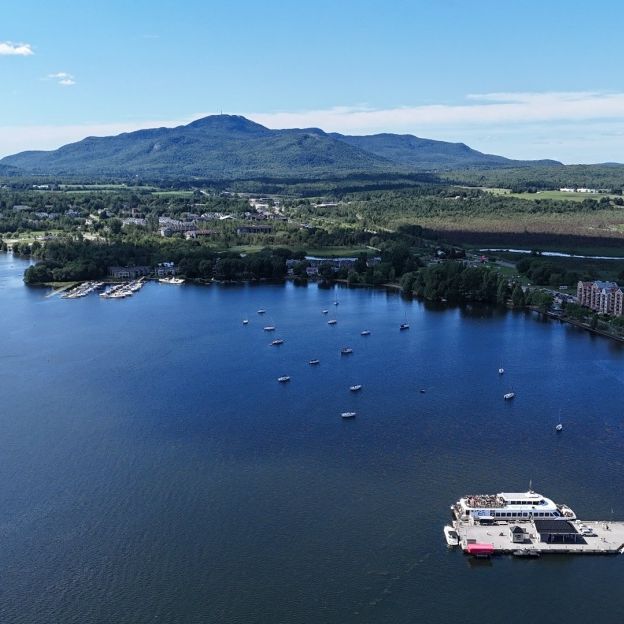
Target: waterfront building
[602, 297]
[128, 272]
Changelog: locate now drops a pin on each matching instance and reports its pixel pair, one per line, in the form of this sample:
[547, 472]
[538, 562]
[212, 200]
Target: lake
[154, 470]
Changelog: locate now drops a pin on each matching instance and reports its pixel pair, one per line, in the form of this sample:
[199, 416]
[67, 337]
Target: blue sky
[522, 78]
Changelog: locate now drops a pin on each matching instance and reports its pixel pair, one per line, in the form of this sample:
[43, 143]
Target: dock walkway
[600, 537]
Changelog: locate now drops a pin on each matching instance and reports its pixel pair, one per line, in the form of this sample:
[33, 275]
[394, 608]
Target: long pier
[596, 537]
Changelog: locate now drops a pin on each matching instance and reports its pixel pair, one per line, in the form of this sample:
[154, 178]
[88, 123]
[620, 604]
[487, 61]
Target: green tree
[517, 297]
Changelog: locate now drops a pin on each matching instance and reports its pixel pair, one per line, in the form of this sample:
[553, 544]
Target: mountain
[412, 151]
[7, 170]
[232, 147]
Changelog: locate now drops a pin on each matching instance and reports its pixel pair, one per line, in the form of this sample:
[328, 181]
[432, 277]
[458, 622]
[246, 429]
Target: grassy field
[556, 195]
[173, 193]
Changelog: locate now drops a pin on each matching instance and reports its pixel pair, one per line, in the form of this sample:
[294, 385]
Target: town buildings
[602, 297]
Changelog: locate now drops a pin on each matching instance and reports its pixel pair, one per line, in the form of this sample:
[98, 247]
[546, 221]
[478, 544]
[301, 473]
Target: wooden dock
[589, 537]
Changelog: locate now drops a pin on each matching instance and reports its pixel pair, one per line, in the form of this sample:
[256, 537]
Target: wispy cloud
[482, 109]
[62, 78]
[8, 48]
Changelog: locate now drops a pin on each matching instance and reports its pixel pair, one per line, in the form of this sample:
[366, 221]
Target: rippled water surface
[153, 470]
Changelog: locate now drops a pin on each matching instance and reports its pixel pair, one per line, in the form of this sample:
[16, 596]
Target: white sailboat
[405, 325]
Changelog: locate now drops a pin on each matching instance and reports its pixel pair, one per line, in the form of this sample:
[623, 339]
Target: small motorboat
[269, 328]
[346, 415]
[325, 311]
[336, 302]
[332, 322]
[366, 332]
[277, 342]
[355, 388]
[422, 391]
[245, 322]
[450, 534]
[501, 371]
[346, 351]
[559, 427]
[314, 362]
[283, 378]
[403, 326]
[261, 311]
[509, 396]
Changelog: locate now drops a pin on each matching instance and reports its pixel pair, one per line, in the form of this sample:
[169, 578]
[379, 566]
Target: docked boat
[509, 506]
[346, 415]
[355, 388]
[346, 351]
[366, 332]
[277, 342]
[450, 534]
[171, 280]
[314, 362]
[283, 378]
[269, 328]
[332, 322]
[509, 396]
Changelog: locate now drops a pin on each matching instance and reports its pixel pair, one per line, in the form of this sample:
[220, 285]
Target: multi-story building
[602, 297]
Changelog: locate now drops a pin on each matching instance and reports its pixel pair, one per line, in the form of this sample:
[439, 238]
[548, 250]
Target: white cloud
[486, 109]
[62, 78]
[7, 48]
[579, 126]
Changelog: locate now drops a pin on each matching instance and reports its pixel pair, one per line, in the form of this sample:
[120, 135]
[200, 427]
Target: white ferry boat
[507, 506]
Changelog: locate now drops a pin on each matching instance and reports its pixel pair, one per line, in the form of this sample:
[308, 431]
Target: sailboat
[404, 325]
[559, 426]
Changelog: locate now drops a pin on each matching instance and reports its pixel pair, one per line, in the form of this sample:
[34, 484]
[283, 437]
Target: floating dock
[541, 537]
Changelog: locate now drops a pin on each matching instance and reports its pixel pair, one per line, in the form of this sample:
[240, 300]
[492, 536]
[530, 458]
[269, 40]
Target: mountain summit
[233, 147]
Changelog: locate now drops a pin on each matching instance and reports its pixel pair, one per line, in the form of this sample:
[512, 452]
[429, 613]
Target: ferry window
[525, 514]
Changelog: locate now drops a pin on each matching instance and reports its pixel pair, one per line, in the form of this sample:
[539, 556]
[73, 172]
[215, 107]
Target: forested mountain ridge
[225, 147]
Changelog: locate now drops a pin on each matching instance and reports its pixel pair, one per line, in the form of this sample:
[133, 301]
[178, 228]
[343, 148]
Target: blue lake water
[153, 470]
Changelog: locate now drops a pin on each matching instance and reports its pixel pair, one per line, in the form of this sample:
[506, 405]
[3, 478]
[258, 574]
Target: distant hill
[7, 170]
[225, 147]
[412, 151]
